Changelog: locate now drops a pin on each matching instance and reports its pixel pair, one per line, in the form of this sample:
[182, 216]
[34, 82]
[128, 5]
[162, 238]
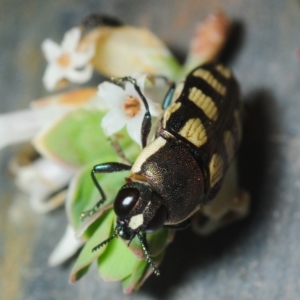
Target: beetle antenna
[148, 257]
[104, 242]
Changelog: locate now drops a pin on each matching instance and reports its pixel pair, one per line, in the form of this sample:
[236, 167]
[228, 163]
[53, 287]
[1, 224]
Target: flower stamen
[131, 106]
[64, 60]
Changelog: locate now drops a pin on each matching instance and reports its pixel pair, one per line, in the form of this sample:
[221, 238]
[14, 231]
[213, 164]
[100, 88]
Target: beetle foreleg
[169, 96]
[146, 124]
[147, 254]
[103, 168]
[117, 147]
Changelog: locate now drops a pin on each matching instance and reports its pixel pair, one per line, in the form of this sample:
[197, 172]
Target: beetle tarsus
[92, 211]
[103, 168]
[146, 124]
[148, 256]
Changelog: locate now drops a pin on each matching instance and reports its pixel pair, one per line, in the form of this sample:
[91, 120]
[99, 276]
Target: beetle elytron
[184, 166]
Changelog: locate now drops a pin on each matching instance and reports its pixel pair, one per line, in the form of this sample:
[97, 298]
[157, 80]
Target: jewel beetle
[184, 166]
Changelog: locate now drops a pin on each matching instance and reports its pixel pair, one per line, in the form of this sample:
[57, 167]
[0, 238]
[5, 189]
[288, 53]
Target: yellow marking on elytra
[211, 80]
[225, 72]
[169, 111]
[204, 102]
[194, 131]
[229, 144]
[216, 167]
[238, 123]
[146, 153]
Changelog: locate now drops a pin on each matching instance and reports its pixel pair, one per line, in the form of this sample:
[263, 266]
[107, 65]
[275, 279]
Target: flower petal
[112, 94]
[141, 79]
[130, 90]
[19, 126]
[80, 59]
[134, 127]
[155, 108]
[112, 122]
[51, 50]
[79, 76]
[66, 248]
[71, 40]
[52, 76]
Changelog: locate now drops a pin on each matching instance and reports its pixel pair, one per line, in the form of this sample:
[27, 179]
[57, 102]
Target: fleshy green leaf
[117, 261]
[104, 225]
[139, 274]
[141, 267]
[76, 139]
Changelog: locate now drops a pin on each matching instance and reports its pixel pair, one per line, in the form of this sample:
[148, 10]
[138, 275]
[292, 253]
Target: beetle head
[139, 210]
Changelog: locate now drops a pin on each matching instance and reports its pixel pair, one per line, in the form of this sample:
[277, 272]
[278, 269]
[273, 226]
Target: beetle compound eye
[158, 220]
[125, 201]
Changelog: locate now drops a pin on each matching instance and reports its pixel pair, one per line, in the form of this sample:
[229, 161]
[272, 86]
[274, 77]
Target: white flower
[40, 180]
[65, 61]
[66, 248]
[126, 107]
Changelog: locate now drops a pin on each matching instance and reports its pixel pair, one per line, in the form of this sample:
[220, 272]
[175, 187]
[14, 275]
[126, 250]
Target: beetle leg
[169, 96]
[146, 124]
[149, 259]
[109, 167]
[117, 147]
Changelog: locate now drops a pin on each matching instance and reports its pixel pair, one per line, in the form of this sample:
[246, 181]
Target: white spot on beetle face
[136, 221]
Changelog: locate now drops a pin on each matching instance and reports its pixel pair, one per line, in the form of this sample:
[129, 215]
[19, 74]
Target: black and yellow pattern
[207, 116]
[197, 139]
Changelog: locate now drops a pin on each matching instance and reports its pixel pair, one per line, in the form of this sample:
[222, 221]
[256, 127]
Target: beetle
[183, 167]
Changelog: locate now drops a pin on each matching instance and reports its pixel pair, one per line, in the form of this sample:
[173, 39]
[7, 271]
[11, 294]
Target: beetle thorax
[138, 209]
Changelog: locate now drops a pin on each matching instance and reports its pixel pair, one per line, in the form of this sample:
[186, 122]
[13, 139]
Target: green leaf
[76, 139]
[117, 261]
[139, 274]
[139, 270]
[87, 256]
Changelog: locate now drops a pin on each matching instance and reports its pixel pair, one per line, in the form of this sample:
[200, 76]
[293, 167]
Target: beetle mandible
[184, 166]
